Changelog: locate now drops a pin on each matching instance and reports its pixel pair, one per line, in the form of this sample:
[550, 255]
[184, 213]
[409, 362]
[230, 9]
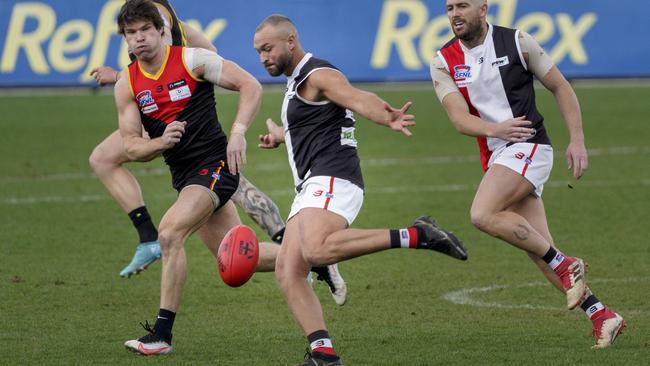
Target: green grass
[63, 242]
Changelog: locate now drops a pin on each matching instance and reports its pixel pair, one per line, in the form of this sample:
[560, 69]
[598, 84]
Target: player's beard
[281, 65]
[473, 31]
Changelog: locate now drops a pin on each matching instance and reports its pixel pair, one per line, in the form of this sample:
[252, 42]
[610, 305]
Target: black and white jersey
[496, 83]
[319, 135]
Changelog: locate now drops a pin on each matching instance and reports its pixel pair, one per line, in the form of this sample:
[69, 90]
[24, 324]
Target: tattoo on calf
[258, 206]
[522, 232]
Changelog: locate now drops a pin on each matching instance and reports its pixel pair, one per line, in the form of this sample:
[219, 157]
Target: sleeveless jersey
[173, 94]
[319, 135]
[496, 83]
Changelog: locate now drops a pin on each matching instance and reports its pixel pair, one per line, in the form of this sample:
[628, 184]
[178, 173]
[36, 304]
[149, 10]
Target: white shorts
[330, 193]
[533, 161]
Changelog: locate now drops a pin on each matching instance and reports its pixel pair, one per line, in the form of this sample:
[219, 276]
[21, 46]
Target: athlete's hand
[172, 134]
[399, 120]
[236, 152]
[272, 139]
[513, 130]
[105, 75]
[576, 158]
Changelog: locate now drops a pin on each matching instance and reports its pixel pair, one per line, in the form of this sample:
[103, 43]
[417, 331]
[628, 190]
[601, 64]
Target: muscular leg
[532, 208]
[258, 206]
[501, 188]
[192, 209]
[106, 161]
[216, 228]
[266, 214]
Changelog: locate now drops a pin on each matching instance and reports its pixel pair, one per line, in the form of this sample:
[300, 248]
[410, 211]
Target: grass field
[63, 242]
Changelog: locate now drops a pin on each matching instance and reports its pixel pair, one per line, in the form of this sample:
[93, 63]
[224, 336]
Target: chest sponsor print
[146, 102]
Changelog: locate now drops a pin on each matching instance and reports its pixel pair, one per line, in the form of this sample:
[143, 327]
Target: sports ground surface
[63, 242]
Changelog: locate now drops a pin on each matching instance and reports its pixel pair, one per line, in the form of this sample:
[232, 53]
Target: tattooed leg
[258, 206]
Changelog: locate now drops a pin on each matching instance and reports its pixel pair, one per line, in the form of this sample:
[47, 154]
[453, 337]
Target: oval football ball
[238, 255]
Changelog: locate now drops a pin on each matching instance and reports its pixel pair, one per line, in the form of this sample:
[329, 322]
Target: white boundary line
[464, 296]
[365, 163]
[35, 200]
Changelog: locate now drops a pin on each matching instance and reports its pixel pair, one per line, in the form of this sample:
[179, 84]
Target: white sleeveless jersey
[496, 83]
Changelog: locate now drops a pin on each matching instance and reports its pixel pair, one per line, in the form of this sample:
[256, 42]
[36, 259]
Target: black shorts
[215, 176]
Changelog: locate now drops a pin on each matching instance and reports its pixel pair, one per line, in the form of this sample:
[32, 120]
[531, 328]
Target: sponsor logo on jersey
[347, 136]
[501, 61]
[462, 75]
[318, 193]
[520, 155]
[176, 84]
[203, 172]
[146, 102]
[144, 98]
[462, 72]
[180, 93]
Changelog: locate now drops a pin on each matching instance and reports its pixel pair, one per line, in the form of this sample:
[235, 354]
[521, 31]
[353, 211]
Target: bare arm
[136, 147]
[229, 75]
[196, 39]
[334, 86]
[513, 130]
[540, 64]
[576, 153]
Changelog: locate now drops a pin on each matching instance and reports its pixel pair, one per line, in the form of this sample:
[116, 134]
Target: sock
[591, 305]
[321, 346]
[143, 224]
[405, 238]
[278, 236]
[164, 324]
[553, 258]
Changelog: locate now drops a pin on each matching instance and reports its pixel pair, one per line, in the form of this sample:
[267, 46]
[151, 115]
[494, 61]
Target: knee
[169, 238]
[481, 220]
[321, 253]
[96, 159]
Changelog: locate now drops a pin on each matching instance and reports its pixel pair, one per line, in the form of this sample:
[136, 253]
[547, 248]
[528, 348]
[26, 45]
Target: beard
[473, 31]
[281, 65]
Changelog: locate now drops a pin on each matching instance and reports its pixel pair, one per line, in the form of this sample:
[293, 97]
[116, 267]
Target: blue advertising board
[58, 42]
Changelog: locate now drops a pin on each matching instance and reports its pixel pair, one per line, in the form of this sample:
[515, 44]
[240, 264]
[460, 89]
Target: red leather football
[238, 255]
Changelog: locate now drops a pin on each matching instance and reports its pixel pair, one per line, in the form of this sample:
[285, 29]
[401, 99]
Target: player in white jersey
[484, 80]
[317, 116]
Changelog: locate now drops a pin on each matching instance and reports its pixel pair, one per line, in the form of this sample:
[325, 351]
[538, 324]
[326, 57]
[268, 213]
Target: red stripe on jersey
[455, 56]
[530, 158]
[329, 194]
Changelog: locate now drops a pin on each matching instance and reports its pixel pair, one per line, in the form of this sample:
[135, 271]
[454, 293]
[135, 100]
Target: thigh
[192, 208]
[500, 188]
[112, 149]
[215, 228]
[306, 231]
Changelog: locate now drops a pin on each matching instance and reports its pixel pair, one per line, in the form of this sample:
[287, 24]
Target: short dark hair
[274, 20]
[139, 10]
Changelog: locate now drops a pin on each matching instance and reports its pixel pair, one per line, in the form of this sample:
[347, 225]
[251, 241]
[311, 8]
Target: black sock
[550, 255]
[164, 324]
[591, 305]
[321, 346]
[278, 236]
[143, 224]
